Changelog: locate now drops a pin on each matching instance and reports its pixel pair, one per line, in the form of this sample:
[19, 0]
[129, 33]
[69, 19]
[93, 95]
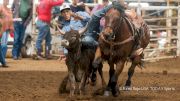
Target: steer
[79, 60]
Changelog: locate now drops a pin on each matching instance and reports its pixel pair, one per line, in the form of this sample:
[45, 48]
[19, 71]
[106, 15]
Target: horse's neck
[123, 31]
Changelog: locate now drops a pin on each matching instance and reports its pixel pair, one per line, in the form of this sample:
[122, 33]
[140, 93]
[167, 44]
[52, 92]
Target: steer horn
[83, 30]
[61, 31]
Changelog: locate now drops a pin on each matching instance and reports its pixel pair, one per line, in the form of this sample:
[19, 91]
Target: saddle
[135, 19]
[137, 22]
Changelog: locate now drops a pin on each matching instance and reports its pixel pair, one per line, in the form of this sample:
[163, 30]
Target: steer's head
[72, 38]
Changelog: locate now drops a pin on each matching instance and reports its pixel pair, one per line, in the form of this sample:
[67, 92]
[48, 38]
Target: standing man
[6, 25]
[22, 14]
[44, 17]
[79, 6]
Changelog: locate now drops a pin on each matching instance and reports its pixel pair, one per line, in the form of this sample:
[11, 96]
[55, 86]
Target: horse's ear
[83, 30]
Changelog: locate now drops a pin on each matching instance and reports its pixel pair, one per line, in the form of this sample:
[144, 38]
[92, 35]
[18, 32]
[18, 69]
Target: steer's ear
[61, 31]
[83, 30]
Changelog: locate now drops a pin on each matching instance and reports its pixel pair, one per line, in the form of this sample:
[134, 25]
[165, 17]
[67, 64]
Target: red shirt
[44, 9]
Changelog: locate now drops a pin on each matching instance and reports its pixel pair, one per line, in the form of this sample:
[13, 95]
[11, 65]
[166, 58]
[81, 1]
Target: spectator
[100, 6]
[44, 17]
[89, 1]
[67, 1]
[79, 6]
[22, 14]
[71, 20]
[6, 22]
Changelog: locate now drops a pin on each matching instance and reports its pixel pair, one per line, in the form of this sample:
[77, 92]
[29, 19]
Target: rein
[112, 44]
[124, 41]
[117, 43]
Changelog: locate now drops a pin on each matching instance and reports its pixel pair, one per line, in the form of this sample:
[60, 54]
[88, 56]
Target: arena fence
[165, 32]
[164, 23]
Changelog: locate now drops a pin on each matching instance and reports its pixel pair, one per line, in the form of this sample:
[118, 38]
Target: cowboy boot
[4, 65]
[47, 54]
[39, 55]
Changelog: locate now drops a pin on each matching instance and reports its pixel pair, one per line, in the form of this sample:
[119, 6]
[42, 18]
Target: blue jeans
[4, 41]
[2, 58]
[89, 1]
[19, 31]
[90, 38]
[44, 33]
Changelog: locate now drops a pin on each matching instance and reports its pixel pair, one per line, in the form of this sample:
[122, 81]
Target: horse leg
[62, 87]
[101, 74]
[93, 76]
[97, 58]
[114, 78]
[135, 61]
[130, 74]
[111, 72]
[96, 64]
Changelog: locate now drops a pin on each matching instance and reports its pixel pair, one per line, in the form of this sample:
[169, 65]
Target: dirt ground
[32, 80]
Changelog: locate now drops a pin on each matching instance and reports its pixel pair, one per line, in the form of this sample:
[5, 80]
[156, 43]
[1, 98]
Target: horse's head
[72, 38]
[112, 22]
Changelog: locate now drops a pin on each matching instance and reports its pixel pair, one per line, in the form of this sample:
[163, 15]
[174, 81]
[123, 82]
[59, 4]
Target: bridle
[113, 36]
[111, 42]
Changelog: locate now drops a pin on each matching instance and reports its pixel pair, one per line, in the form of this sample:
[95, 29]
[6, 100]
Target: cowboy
[71, 20]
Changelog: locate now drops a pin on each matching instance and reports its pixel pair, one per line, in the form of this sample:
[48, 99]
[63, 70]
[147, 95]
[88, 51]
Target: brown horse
[117, 42]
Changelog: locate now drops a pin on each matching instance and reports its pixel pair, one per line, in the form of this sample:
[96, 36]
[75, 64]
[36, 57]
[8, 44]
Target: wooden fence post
[139, 8]
[178, 33]
[169, 24]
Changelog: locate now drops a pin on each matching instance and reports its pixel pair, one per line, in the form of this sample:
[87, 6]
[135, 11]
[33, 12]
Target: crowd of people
[74, 16]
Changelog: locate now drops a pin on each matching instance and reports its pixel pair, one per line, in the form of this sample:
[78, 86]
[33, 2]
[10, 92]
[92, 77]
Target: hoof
[127, 88]
[93, 83]
[115, 90]
[71, 98]
[106, 93]
[128, 84]
[115, 93]
[61, 91]
[93, 79]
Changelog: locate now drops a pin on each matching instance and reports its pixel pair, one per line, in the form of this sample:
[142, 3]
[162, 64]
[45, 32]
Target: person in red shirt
[43, 24]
